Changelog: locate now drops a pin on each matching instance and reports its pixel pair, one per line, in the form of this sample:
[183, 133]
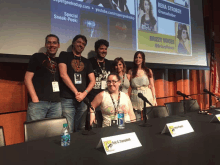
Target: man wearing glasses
[42, 81]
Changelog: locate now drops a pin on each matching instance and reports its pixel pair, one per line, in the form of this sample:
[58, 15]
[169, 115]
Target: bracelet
[87, 91]
[92, 108]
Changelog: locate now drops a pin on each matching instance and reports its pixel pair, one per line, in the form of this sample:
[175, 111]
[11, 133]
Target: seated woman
[111, 102]
[119, 67]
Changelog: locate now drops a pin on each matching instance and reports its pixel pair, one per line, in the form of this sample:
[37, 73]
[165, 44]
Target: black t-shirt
[44, 75]
[100, 74]
[80, 74]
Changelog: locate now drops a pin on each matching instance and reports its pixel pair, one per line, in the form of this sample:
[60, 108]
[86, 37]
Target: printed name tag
[216, 118]
[78, 78]
[118, 143]
[178, 128]
[103, 84]
[55, 86]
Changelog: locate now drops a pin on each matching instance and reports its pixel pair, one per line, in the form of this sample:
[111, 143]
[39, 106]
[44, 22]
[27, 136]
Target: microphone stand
[184, 104]
[145, 124]
[88, 127]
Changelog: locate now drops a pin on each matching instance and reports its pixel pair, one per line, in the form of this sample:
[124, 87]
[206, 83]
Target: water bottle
[121, 121]
[65, 136]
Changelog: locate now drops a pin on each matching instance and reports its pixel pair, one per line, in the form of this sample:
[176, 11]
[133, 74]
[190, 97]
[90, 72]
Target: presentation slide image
[165, 40]
[120, 33]
[147, 15]
[94, 26]
[126, 6]
[183, 39]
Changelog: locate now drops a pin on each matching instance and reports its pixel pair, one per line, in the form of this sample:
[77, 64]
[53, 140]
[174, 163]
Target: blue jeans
[73, 111]
[43, 109]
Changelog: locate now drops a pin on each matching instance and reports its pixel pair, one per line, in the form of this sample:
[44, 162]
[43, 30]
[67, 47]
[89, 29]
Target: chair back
[2, 137]
[40, 129]
[191, 105]
[157, 112]
[175, 108]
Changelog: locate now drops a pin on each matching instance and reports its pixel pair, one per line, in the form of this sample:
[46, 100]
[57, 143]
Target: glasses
[113, 82]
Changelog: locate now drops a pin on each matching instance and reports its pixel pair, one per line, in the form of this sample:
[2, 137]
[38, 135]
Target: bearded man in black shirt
[75, 72]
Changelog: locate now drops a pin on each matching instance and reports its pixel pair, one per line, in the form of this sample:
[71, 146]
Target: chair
[156, 112]
[191, 105]
[175, 108]
[40, 129]
[2, 138]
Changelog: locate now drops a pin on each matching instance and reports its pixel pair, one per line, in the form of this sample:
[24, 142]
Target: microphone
[206, 91]
[182, 94]
[212, 94]
[140, 95]
[87, 102]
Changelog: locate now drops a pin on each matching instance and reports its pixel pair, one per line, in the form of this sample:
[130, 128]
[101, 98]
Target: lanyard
[116, 107]
[100, 66]
[77, 66]
[53, 66]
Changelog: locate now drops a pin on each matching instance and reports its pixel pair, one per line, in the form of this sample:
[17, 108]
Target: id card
[77, 78]
[55, 86]
[103, 84]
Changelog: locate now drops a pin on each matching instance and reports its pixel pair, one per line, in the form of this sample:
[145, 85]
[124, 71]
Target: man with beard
[75, 70]
[101, 67]
[42, 81]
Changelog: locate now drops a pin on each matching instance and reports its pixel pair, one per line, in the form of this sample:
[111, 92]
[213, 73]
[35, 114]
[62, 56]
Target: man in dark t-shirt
[42, 81]
[75, 70]
[101, 67]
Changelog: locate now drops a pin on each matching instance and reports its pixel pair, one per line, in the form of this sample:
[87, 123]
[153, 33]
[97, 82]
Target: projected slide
[164, 26]
[95, 19]
[150, 25]
[168, 31]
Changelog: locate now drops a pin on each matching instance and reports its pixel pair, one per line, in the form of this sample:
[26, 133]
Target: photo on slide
[126, 6]
[183, 38]
[94, 26]
[182, 2]
[120, 33]
[147, 15]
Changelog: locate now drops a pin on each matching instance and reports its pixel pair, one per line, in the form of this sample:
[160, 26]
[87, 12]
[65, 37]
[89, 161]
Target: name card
[118, 143]
[178, 128]
[216, 118]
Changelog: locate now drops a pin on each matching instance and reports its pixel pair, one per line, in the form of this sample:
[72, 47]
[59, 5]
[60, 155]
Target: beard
[100, 57]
